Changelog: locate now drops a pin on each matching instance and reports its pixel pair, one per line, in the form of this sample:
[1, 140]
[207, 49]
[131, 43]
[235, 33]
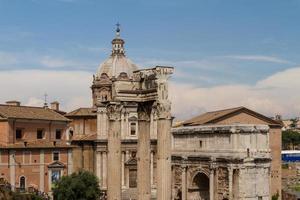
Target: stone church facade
[126, 139]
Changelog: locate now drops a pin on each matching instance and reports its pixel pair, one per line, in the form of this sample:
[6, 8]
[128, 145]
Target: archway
[22, 183]
[200, 187]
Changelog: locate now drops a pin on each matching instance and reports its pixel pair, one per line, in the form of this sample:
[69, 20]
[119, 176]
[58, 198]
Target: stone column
[143, 153]
[164, 187]
[183, 183]
[211, 185]
[114, 152]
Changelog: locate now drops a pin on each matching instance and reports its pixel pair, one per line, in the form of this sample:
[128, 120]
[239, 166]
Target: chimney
[13, 103]
[55, 105]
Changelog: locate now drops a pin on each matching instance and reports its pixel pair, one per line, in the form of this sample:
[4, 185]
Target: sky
[225, 53]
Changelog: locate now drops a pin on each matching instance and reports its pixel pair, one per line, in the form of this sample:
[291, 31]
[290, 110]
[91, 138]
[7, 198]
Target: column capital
[114, 111]
[144, 111]
[163, 109]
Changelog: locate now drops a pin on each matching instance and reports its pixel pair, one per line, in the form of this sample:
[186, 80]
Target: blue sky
[211, 43]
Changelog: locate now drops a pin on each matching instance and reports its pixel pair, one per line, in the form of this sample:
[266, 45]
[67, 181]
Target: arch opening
[200, 187]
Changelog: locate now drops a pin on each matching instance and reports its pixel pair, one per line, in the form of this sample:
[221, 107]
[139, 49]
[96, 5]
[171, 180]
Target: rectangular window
[55, 156]
[133, 128]
[19, 134]
[40, 134]
[58, 134]
[200, 144]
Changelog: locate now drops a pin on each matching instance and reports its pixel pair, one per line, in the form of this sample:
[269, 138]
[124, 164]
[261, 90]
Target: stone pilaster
[104, 170]
[114, 152]
[183, 183]
[230, 174]
[102, 122]
[70, 161]
[152, 169]
[123, 169]
[42, 171]
[12, 169]
[211, 184]
[98, 166]
[144, 149]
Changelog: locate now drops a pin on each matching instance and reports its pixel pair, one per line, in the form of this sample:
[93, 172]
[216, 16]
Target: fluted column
[143, 164]
[114, 168]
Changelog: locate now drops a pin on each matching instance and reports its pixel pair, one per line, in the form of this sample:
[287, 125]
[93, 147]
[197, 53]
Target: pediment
[56, 164]
[132, 161]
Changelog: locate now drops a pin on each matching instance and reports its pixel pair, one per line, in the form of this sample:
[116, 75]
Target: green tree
[77, 186]
[290, 139]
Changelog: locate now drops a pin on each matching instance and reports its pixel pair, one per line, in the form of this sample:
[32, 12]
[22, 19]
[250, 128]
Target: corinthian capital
[164, 110]
[114, 111]
[144, 111]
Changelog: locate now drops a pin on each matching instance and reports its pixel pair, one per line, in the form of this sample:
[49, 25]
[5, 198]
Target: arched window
[22, 183]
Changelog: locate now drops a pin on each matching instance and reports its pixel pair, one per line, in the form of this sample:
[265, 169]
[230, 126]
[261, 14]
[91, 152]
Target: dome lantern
[117, 63]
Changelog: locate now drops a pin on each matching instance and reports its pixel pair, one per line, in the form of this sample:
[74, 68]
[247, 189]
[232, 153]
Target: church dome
[117, 63]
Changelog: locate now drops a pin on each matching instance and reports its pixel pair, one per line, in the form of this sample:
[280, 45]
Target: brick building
[33, 146]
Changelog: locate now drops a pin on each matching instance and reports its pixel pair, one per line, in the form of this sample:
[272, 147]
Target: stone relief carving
[223, 183]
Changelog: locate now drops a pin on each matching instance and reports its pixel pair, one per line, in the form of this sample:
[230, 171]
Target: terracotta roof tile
[212, 117]
[209, 116]
[81, 112]
[87, 137]
[27, 112]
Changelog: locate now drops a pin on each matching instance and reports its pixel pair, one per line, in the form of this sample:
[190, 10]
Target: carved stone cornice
[114, 111]
[102, 110]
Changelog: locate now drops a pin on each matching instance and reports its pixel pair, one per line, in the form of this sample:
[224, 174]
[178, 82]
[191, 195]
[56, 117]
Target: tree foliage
[77, 186]
[290, 139]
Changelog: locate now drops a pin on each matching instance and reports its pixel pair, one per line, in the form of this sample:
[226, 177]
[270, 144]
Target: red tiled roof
[27, 112]
[214, 116]
[87, 137]
[82, 112]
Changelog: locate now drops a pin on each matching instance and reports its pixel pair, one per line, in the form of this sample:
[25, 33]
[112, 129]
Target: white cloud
[259, 58]
[71, 88]
[52, 62]
[273, 95]
[276, 94]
